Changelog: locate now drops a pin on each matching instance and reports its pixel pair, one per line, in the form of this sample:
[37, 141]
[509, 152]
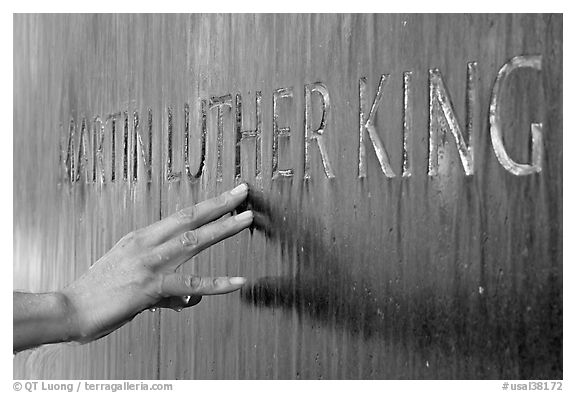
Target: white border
[6, 160]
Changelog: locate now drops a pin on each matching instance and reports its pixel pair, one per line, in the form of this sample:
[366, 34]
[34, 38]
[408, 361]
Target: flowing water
[120, 120]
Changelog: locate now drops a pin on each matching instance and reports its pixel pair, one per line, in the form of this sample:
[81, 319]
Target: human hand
[139, 272]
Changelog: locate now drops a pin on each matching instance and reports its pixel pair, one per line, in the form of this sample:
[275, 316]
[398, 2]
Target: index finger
[195, 216]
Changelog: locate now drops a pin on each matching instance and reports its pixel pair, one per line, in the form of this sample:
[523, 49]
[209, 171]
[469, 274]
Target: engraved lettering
[112, 118]
[148, 163]
[92, 156]
[193, 176]
[367, 123]
[279, 132]
[407, 126]
[71, 163]
[67, 147]
[496, 123]
[135, 132]
[125, 148]
[76, 164]
[83, 162]
[98, 149]
[443, 117]
[242, 135]
[318, 134]
[137, 141]
[171, 176]
[220, 103]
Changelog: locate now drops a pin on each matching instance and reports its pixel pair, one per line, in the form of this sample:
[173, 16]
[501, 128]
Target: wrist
[69, 328]
[42, 318]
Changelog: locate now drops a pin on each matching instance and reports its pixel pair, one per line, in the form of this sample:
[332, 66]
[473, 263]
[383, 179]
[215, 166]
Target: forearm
[41, 318]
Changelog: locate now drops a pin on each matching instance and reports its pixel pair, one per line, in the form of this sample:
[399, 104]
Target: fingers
[195, 216]
[179, 249]
[176, 284]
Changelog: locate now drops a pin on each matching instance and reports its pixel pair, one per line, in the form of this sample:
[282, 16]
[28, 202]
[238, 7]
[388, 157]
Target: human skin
[138, 273]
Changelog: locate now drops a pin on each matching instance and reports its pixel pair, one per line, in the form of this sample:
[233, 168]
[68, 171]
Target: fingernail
[245, 217]
[237, 280]
[241, 189]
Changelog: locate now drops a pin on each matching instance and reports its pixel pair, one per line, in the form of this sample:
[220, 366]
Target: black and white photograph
[287, 196]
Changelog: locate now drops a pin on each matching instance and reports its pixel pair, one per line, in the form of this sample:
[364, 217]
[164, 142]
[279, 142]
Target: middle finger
[195, 216]
[179, 249]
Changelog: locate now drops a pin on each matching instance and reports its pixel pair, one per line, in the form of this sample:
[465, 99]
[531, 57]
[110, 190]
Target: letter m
[72, 168]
